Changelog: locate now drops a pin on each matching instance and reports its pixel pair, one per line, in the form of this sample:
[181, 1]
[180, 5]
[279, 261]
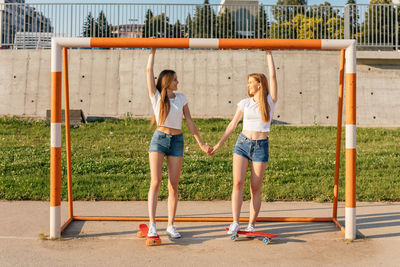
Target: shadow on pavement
[196, 234]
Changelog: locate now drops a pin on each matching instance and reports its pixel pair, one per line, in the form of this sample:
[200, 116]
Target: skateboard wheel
[153, 242]
[139, 234]
[234, 237]
[266, 240]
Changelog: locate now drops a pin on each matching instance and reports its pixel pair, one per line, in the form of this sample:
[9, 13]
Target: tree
[204, 21]
[353, 18]
[188, 26]
[97, 27]
[286, 10]
[225, 27]
[176, 30]
[315, 22]
[156, 26]
[148, 31]
[162, 26]
[89, 26]
[327, 21]
[261, 24]
[104, 29]
[377, 27]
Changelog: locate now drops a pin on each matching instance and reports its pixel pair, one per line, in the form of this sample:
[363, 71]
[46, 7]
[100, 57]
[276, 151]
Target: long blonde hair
[265, 109]
[163, 82]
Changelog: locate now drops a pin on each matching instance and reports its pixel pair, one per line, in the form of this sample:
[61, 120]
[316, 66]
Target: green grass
[110, 162]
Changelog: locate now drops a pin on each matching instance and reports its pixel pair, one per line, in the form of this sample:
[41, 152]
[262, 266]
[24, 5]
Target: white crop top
[174, 118]
[252, 120]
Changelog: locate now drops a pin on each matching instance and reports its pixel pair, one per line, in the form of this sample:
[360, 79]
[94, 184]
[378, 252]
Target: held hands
[213, 150]
[206, 148]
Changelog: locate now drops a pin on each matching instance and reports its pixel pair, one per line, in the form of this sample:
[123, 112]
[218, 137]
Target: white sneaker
[250, 228]
[233, 228]
[172, 233]
[152, 230]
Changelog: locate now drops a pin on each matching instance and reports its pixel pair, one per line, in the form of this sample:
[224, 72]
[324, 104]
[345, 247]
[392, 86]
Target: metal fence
[33, 25]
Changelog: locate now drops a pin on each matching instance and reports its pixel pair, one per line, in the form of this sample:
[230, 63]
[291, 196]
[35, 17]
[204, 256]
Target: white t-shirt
[252, 120]
[174, 118]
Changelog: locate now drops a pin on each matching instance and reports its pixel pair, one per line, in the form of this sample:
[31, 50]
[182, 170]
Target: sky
[268, 2]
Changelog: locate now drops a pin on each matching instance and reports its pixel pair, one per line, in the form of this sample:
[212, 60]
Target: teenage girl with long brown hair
[169, 107]
[252, 144]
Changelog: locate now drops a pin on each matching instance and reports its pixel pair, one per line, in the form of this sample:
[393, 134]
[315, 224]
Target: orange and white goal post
[348, 60]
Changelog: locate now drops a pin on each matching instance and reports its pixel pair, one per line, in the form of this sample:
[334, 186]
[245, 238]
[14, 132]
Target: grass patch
[110, 162]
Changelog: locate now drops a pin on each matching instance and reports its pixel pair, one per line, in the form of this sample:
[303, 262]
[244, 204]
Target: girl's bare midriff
[167, 130]
[255, 135]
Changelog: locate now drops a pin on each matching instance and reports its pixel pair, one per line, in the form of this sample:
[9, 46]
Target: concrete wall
[113, 83]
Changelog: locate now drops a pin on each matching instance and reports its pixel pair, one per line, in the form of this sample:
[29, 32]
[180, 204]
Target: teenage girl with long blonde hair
[169, 106]
[251, 147]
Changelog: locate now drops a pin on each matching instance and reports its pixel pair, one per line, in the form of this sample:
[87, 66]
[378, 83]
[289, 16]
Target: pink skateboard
[150, 241]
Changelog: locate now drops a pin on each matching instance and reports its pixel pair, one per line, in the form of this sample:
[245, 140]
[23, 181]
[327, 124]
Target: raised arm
[151, 86]
[273, 85]
[229, 129]
[192, 127]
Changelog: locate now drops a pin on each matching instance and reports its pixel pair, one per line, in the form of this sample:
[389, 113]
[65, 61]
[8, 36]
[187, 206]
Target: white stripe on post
[351, 136]
[203, 43]
[351, 60]
[73, 42]
[350, 223]
[335, 44]
[56, 65]
[55, 134]
[55, 224]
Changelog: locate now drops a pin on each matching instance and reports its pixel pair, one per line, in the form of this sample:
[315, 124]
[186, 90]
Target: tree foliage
[286, 10]
[97, 27]
[156, 26]
[378, 26]
[301, 22]
[89, 26]
[204, 21]
[225, 25]
[261, 23]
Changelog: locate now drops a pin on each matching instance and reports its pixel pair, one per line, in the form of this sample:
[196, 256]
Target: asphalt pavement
[24, 226]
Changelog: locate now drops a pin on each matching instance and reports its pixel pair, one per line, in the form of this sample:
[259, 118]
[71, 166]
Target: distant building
[243, 13]
[19, 21]
[128, 30]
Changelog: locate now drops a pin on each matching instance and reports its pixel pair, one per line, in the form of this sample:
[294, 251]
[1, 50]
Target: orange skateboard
[267, 236]
[150, 241]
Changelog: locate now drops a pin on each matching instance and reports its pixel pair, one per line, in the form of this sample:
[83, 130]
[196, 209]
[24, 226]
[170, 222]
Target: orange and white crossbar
[56, 68]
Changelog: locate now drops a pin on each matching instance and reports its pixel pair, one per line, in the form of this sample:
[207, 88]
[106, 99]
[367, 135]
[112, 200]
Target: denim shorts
[254, 150]
[170, 145]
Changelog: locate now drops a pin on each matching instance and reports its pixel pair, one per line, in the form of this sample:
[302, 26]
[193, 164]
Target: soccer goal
[59, 50]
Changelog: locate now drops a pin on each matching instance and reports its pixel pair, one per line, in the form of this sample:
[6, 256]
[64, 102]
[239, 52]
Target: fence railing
[33, 25]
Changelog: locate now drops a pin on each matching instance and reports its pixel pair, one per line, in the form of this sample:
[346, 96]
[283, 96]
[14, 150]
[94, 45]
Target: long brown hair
[265, 109]
[163, 81]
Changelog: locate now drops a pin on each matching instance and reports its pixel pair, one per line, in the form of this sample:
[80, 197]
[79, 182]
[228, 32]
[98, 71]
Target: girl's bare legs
[174, 172]
[240, 165]
[257, 175]
[156, 161]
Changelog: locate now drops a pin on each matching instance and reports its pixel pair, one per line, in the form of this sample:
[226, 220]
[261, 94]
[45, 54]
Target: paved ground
[116, 244]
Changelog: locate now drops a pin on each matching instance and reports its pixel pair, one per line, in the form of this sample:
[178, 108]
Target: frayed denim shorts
[254, 150]
[170, 145]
